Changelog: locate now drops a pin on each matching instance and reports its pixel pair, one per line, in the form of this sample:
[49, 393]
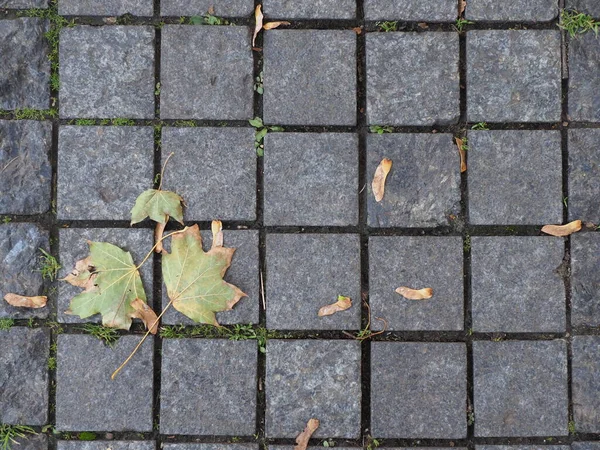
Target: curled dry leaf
[217, 232]
[143, 312]
[21, 301]
[381, 174]
[415, 294]
[462, 4]
[562, 230]
[258, 15]
[342, 304]
[302, 439]
[273, 25]
[461, 152]
[357, 30]
[159, 229]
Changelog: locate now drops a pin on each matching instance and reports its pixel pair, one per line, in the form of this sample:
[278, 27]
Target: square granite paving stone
[311, 179]
[411, 10]
[515, 177]
[243, 273]
[222, 8]
[310, 378]
[586, 383]
[584, 78]
[412, 78]
[20, 266]
[495, 11]
[522, 447]
[38, 441]
[105, 445]
[24, 376]
[23, 4]
[418, 390]
[213, 169]
[107, 72]
[308, 271]
[522, 293]
[208, 387]
[195, 446]
[106, 7]
[585, 280]
[416, 262]
[206, 73]
[309, 77]
[520, 388]
[25, 69]
[86, 397]
[514, 76]
[423, 187]
[318, 9]
[585, 445]
[73, 247]
[26, 175]
[591, 7]
[584, 175]
[102, 170]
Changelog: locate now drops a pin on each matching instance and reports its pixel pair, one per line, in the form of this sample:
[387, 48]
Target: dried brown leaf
[211, 10]
[342, 304]
[159, 229]
[109, 20]
[273, 25]
[258, 15]
[21, 301]
[562, 230]
[302, 439]
[357, 30]
[415, 294]
[80, 275]
[145, 314]
[462, 4]
[217, 232]
[461, 152]
[423, 25]
[381, 174]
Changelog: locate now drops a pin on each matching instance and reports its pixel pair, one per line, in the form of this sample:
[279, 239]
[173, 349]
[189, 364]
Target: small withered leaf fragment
[302, 439]
[21, 301]
[357, 30]
[143, 312]
[562, 230]
[216, 227]
[273, 25]
[461, 152]
[381, 174]
[462, 4]
[342, 304]
[258, 15]
[415, 294]
[159, 229]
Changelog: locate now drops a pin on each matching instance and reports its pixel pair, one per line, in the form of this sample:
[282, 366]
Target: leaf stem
[162, 172]
[154, 246]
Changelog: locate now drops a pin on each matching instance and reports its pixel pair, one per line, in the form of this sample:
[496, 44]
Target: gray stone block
[522, 447]
[520, 388]
[416, 262]
[585, 280]
[24, 376]
[193, 446]
[199, 396]
[103, 445]
[584, 77]
[513, 76]
[73, 247]
[102, 170]
[32, 442]
[585, 446]
[584, 175]
[107, 72]
[224, 160]
[206, 73]
[423, 187]
[492, 10]
[521, 293]
[413, 10]
[106, 7]
[26, 174]
[20, 266]
[510, 186]
[222, 8]
[307, 378]
[318, 9]
[23, 4]
[308, 271]
[591, 7]
[310, 77]
[311, 179]
[418, 390]
[25, 69]
[86, 397]
[243, 273]
[412, 78]
[586, 383]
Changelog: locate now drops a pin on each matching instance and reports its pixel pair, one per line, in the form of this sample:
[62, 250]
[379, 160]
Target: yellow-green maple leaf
[159, 205]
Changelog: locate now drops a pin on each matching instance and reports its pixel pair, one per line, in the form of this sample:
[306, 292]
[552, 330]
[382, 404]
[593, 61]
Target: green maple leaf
[111, 281]
[194, 278]
[159, 205]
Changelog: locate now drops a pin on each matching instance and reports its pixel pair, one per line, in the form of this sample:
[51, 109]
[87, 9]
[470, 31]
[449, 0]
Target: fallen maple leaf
[342, 304]
[381, 174]
[415, 294]
[258, 15]
[22, 301]
[302, 439]
[194, 278]
[273, 25]
[145, 314]
[159, 205]
[562, 230]
[461, 152]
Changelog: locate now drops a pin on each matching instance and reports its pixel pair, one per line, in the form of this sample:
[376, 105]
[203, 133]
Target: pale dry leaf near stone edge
[302, 439]
[216, 227]
[562, 230]
[381, 174]
[462, 5]
[342, 304]
[145, 314]
[461, 152]
[21, 301]
[415, 294]
[273, 25]
[258, 15]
